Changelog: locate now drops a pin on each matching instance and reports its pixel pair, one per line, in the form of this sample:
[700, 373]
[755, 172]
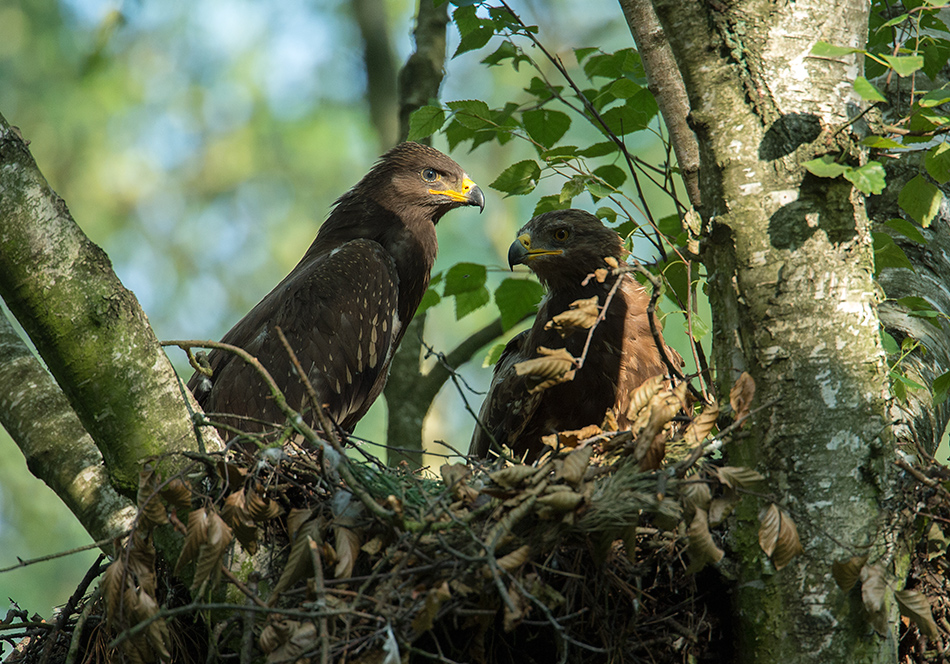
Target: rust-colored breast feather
[621, 356]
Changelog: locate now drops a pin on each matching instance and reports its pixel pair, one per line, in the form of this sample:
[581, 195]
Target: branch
[667, 87]
[57, 448]
[89, 329]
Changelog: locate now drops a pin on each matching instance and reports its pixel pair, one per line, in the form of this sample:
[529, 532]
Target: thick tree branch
[666, 84]
[419, 82]
[57, 448]
[380, 69]
[89, 329]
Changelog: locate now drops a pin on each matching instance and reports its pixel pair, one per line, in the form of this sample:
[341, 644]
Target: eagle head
[564, 245]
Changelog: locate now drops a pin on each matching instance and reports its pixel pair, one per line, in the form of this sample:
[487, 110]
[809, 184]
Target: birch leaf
[702, 548]
[702, 424]
[847, 572]
[778, 536]
[741, 395]
[873, 589]
[916, 606]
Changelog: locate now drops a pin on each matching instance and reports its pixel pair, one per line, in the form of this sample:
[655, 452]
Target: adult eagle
[563, 248]
[345, 306]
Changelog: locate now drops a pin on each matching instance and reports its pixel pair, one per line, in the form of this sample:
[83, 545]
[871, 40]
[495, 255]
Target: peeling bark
[89, 329]
[794, 303]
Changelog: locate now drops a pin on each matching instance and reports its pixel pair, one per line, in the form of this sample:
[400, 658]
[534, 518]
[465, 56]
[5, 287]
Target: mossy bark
[89, 329]
[790, 268]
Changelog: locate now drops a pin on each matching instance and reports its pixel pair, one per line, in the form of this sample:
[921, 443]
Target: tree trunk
[790, 268]
[89, 329]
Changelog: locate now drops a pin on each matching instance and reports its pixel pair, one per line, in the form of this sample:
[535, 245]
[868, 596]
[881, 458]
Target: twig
[54, 556]
[70, 607]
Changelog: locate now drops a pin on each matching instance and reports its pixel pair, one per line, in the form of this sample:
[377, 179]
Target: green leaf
[425, 122]
[900, 391]
[896, 20]
[518, 179]
[826, 50]
[516, 299]
[936, 54]
[505, 51]
[546, 127]
[466, 303]
[825, 167]
[599, 149]
[581, 53]
[941, 386]
[611, 174]
[472, 113]
[867, 91]
[475, 32]
[559, 154]
[904, 65]
[906, 229]
[604, 66]
[868, 179]
[935, 98]
[880, 143]
[889, 343]
[700, 328]
[549, 203]
[493, 355]
[607, 214]
[915, 303]
[573, 187]
[464, 278]
[887, 254]
[907, 382]
[634, 115]
[921, 200]
[623, 88]
[937, 162]
[429, 299]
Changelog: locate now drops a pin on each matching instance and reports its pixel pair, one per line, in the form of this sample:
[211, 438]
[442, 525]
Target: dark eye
[430, 174]
[561, 234]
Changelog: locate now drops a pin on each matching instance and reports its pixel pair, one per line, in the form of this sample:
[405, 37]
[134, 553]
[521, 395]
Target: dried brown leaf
[347, 544]
[702, 548]
[147, 500]
[178, 494]
[553, 362]
[575, 465]
[516, 609]
[582, 315]
[611, 261]
[373, 546]
[302, 639]
[142, 562]
[643, 395]
[916, 606]
[873, 591]
[296, 518]
[515, 559]
[114, 581]
[299, 564]
[232, 474]
[695, 495]
[551, 382]
[276, 633]
[702, 424]
[434, 599]
[600, 274]
[561, 501]
[453, 473]
[847, 572]
[157, 634]
[778, 536]
[234, 515]
[219, 536]
[733, 476]
[742, 394]
[258, 507]
[511, 476]
[610, 422]
[722, 507]
[195, 535]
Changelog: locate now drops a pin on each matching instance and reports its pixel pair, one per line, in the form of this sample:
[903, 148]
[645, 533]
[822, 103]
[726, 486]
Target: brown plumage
[562, 248]
[345, 306]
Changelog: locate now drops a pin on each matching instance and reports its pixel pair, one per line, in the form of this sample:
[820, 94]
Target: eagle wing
[508, 406]
[338, 312]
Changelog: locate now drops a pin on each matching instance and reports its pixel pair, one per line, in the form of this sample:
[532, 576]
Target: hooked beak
[520, 251]
[470, 194]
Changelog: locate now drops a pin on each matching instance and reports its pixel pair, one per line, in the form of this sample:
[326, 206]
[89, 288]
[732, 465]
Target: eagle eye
[561, 234]
[430, 174]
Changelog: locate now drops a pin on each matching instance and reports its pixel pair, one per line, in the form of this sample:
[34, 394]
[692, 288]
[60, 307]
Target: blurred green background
[201, 144]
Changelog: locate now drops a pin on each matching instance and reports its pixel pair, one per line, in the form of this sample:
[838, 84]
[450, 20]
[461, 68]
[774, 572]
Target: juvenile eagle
[562, 248]
[345, 306]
